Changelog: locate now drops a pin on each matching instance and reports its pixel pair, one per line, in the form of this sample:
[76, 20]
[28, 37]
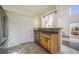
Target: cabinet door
[49, 44]
[41, 40]
[54, 43]
[45, 42]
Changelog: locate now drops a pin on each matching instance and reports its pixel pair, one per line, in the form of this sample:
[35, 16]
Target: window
[74, 10]
[47, 20]
[74, 28]
[44, 21]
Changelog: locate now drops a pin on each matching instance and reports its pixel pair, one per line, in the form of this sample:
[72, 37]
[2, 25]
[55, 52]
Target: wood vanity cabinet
[49, 39]
[50, 42]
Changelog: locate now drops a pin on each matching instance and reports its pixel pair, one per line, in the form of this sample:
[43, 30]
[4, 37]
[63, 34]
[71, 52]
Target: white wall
[64, 18]
[20, 28]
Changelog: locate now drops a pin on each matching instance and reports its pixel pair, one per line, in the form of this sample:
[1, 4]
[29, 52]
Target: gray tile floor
[33, 48]
[70, 45]
[71, 42]
[68, 50]
[27, 48]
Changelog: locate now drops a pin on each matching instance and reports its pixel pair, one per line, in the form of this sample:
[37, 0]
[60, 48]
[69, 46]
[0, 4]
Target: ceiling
[31, 10]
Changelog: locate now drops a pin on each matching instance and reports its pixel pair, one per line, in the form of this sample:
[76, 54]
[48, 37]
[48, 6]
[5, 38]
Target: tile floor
[33, 48]
[71, 42]
[68, 50]
[27, 48]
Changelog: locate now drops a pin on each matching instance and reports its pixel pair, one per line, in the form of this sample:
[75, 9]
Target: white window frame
[48, 16]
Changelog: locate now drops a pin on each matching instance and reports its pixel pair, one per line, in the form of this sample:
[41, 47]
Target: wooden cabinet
[49, 39]
[50, 42]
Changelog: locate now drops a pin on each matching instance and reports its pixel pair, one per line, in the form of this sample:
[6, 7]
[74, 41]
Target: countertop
[48, 30]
